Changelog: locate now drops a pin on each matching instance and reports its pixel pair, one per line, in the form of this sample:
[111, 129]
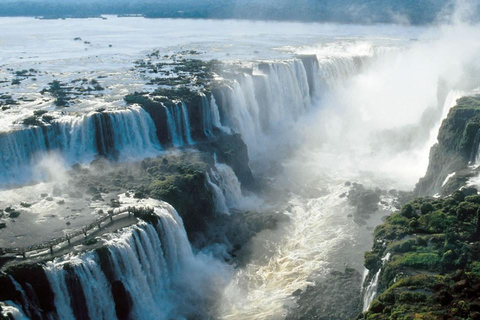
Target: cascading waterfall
[333, 70]
[229, 184]
[475, 157]
[215, 115]
[226, 188]
[220, 200]
[255, 105]
[186, 124]
[276, 94]
[371, 290]
[178, 124]
[149, 260]
[208, 116]
[117, 134]
[173, 129]
[25, 301]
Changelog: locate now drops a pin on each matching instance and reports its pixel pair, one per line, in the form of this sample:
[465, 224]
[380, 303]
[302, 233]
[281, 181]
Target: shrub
[412, 297]
[474, 199]
[408, 211]
[421, 260]
[426, 208]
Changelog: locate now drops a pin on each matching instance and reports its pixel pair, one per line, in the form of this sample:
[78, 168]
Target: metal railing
[68, 237]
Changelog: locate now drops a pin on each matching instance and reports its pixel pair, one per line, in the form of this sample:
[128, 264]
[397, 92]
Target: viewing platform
[112, 217]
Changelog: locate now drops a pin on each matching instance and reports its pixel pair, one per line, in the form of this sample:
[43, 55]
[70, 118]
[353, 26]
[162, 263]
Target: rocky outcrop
[457, 147]
[31, 289]
[432, 270]
[332, 299]
[231, 149]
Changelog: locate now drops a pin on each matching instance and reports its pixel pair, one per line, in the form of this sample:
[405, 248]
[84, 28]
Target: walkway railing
[68, 237]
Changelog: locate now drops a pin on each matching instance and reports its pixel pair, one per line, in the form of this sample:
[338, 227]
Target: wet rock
[364, 200]
[56, 192]
[14, 214]
[123, 301]
[331, 299]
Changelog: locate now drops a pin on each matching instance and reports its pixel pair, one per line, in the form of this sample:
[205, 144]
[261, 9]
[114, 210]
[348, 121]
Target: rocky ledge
[428, 258]
[453, 160]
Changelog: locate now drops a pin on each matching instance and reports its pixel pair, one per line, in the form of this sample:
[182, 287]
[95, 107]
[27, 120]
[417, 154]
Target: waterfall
[152, 263]
[78, 139]
[230, 185]
[371, 290]
[207, 116]
[226, 188]
[178, 124]
[220, 201]
[145, 258]
[25, 301]
[134, 132]
[173, 129]
[271, 98]
[475, 155]
[215, 114]
[186, 124]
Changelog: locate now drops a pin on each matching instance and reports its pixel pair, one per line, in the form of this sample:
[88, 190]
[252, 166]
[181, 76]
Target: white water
[275, 95]
[215, 115]
[344, 137]
[186, 124]
[173, 129]
[154, 263]
[448, 178]
[372, 288]
[9, 308]
[227, 190]
[78, 139]
[220, 201]
[209, 115]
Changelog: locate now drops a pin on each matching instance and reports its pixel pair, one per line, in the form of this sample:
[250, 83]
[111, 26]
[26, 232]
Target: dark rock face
[337, 298]
[457, 146]
[123, 301]
[156, 108]
[77, 296]
[35, 284]
[364, 200]
[231, 149]
[104, 138]
[157, 112]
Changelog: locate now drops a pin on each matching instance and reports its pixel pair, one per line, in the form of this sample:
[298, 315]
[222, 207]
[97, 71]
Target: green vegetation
[456, 147]
[434, 268]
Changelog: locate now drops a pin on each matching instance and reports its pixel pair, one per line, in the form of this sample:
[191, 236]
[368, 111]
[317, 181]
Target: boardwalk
[136, 211]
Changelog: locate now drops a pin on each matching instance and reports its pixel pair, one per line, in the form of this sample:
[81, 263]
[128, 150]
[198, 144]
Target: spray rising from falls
[276, 94]
[147, 271]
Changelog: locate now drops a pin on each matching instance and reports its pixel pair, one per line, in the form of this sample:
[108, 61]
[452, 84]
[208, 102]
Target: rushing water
[152, 261]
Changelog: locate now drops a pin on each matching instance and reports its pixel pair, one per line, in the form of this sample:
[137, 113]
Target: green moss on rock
[434, 269]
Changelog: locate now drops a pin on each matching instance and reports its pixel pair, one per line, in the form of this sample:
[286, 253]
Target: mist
[375, 128]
